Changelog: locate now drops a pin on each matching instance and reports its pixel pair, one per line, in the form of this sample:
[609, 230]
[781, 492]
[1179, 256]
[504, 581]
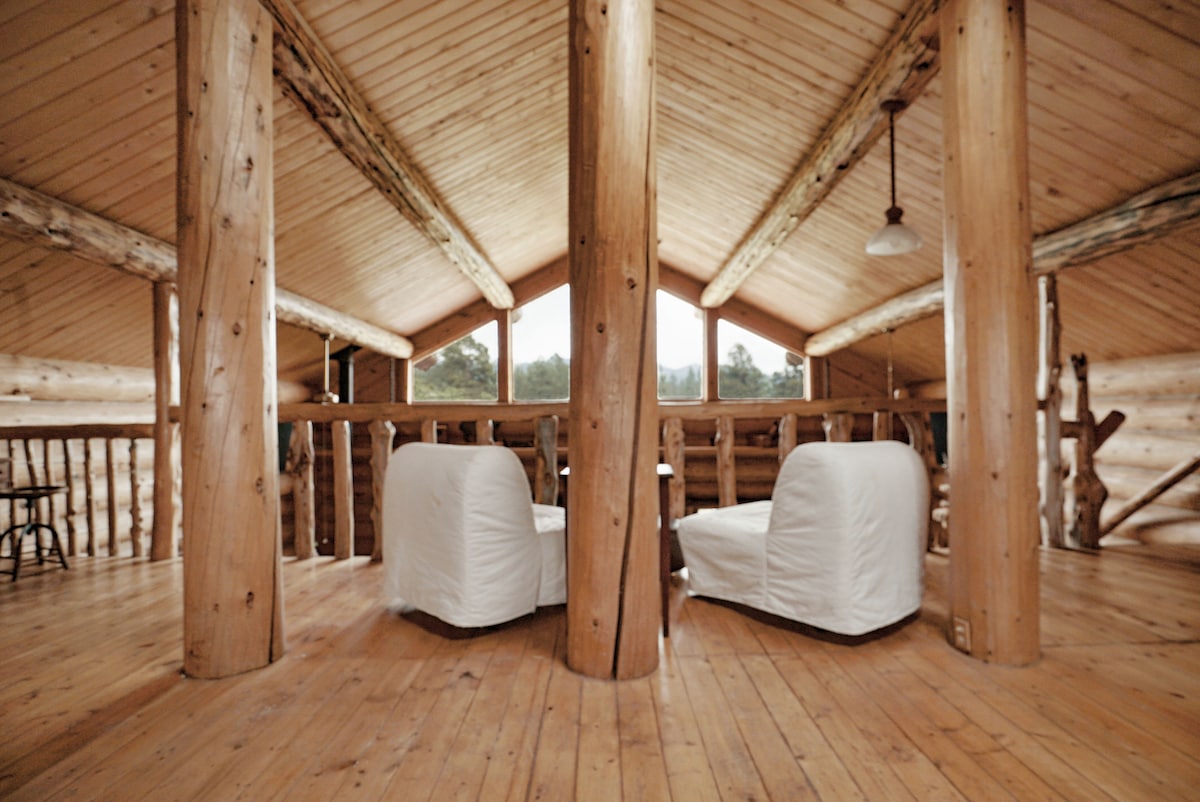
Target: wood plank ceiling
[476, 92]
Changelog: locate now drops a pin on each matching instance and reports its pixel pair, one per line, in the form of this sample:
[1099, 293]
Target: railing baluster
[343, 492]
[726, 468]
[674, 448]
[89, 497]
[72, 511]
[545, 471]
[110, 474]
[382, 433]
[135, 501]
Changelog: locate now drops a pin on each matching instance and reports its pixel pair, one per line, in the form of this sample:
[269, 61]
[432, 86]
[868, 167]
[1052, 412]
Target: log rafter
[1147, 216]
[309, 76]
[47, 222]
[906, 64]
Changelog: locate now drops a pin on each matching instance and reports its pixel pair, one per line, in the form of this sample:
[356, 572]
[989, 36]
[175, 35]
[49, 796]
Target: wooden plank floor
[369, 705]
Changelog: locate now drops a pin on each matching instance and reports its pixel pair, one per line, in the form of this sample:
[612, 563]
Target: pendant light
[326, 397]
[895, 238]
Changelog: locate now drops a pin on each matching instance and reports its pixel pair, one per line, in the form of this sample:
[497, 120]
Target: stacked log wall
[27, 472]
[1160, 397]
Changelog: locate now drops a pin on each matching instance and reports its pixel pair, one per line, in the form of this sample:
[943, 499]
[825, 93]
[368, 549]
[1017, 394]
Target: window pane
[754, 367]
[541, 348]
[465, 370]
[680, 348]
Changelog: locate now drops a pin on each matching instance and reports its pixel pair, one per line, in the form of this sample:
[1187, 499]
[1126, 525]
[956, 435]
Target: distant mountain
[679, 373]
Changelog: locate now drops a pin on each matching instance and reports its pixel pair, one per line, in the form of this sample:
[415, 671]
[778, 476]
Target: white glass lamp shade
[895, 238]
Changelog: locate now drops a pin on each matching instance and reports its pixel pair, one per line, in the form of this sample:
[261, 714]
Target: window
[754, 367]
[465, 370]
[541, 348]
[680, 348]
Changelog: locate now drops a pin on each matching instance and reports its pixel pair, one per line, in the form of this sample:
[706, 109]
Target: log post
[838, 426]
[135, 501]
[166, 433]
[545, 464]
[428, 430]
[300, 466]
[881, 425]
[1089, 491]
[110, 476]
[612, 621]
[673, 455]
[382, 433]
[89, 498]
[788, 434]
[32, 472]
[991, 353]
[485, 432]
[712, 357]
[726, 464]
[232, 616]
[48, 476]
[72, 512]
[1051, 393]
[504, 373]
[343, 491]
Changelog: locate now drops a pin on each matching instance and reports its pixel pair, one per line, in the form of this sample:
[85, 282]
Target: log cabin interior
[215, 216]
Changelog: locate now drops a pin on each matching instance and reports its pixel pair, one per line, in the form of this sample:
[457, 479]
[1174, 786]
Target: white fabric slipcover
[461, 539]
[840, 546]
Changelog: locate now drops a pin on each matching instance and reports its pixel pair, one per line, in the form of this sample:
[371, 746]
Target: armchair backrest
[848, 520]
[459, 533]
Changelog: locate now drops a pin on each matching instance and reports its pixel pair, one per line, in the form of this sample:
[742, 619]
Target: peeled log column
[110, 476]
[232, 594]
[990, 333]
[166, 433]
[300, 466]
[612, 621]
[383, 432]
[343, 491]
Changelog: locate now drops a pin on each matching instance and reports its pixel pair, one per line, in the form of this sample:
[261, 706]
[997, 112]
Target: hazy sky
[543, 329]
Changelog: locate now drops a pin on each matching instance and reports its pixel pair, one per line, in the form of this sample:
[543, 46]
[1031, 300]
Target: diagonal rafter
[36, 218]
[309, 76]
[905, 65]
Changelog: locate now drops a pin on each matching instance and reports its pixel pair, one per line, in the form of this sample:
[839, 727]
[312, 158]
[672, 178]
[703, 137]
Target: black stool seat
[16, 533]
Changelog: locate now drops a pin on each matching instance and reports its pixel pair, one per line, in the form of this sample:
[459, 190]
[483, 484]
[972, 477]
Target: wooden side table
[17, 532]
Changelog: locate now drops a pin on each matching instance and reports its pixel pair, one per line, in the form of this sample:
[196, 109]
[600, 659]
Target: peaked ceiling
[475, 92]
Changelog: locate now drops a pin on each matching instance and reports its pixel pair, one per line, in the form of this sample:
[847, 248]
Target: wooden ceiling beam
[905, 65]
[47, 222]
[1148, 216]
[309, 76]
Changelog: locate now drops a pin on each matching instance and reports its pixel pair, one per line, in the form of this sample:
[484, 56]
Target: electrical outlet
[962, 634]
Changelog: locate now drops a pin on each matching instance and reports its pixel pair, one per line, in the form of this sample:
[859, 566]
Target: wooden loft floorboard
[367, 705]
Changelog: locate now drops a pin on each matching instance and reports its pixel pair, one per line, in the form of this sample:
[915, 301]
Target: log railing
[722, 453]
[107, 464]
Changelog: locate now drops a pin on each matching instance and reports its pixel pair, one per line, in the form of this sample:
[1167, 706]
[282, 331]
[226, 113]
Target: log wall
[86, 479]
[1160, 397]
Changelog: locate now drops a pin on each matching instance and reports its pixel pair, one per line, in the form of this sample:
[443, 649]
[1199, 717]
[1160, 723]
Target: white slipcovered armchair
[839, 546]
[461, 539]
